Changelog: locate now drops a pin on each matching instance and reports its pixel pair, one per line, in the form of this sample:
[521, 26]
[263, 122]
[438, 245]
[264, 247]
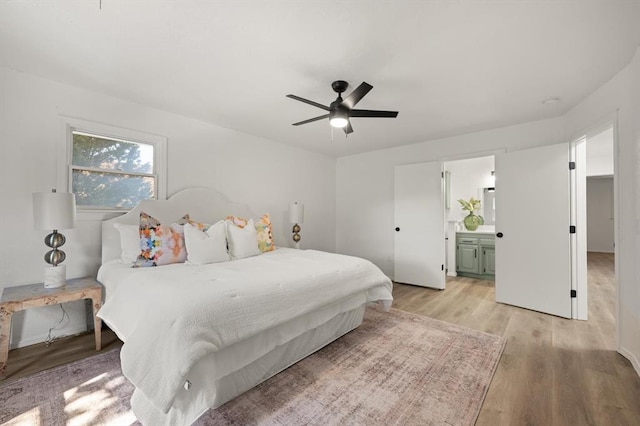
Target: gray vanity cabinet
[467, 255]
[475, 255]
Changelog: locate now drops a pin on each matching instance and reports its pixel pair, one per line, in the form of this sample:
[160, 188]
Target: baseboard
[451, 274]
[632, 358]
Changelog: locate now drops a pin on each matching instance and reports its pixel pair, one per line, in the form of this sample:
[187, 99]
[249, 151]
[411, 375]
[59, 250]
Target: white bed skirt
[204, 394]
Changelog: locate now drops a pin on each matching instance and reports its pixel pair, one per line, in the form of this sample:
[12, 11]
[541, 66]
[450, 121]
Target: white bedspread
[171, 316]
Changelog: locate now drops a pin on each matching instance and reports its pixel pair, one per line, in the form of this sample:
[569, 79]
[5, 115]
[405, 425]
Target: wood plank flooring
[553, 371]
[28, 360]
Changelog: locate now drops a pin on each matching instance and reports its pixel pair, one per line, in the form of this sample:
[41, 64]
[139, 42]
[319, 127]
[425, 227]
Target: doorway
[465, 179]
[600, 184]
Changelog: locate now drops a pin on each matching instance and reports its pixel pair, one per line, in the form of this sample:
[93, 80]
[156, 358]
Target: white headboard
[202, 204]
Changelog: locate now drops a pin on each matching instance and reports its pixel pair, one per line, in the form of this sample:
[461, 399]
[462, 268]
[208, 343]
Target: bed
[196, 336]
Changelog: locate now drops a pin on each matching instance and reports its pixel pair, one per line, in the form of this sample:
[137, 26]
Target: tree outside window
[111, 173]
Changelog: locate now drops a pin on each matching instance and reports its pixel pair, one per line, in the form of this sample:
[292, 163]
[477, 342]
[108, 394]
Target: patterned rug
[396, 368]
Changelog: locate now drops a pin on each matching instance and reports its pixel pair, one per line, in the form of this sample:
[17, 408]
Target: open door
[419, 225]
[533, 248]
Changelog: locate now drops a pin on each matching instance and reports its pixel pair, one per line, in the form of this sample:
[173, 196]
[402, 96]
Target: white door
[533, 257]
[419, 225]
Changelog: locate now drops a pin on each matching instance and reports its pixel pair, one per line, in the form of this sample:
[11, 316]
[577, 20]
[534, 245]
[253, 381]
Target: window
[113, 173]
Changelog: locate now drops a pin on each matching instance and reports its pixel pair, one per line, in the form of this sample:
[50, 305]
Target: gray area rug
[396, 368]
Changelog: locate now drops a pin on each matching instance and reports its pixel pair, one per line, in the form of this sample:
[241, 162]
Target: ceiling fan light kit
[341, 110]
[339, 119]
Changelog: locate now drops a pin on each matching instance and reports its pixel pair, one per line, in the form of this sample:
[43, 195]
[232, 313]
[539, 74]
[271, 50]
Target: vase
[471, 222]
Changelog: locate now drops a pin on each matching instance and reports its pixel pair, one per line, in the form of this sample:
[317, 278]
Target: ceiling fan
[341, 110]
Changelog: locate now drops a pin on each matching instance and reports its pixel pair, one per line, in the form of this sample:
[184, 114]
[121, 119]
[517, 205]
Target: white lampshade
[296, 213]
[54, 210]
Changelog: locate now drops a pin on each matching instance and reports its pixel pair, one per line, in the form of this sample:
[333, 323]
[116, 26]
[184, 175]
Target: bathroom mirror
[489, 206]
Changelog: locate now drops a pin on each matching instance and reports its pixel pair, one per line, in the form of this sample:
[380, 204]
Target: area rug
[396, 368]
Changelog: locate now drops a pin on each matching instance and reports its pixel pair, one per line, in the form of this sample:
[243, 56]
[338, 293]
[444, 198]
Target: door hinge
[442, 174]
[574, 293]
[572, 229]
[572, 165]
[443, 267]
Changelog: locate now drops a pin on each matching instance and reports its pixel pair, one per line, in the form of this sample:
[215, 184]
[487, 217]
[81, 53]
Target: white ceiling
[449, 67]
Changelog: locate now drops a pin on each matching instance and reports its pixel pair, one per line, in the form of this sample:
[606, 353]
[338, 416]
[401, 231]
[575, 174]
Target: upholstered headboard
[202, 204]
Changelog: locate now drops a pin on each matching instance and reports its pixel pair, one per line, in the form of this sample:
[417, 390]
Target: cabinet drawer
[467, 240]
[488, 242]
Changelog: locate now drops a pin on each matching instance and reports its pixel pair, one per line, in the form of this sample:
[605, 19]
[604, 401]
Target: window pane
[109, 190]
[111, 154]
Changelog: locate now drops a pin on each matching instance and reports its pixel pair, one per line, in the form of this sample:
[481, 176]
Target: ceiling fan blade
[348, 129]
[311, 120]
[307, 101]
[372, 113]
[355, 96]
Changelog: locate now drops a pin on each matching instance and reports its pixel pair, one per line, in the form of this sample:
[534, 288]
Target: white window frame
[159, 143]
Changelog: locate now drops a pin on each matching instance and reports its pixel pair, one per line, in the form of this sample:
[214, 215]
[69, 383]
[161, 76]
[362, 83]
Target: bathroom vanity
[476, 255]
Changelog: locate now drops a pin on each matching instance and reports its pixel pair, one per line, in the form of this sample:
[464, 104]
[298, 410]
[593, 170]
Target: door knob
[397, 229]
[499, 235]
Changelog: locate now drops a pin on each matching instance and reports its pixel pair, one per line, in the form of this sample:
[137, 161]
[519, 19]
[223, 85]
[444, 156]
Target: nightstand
[22, 297]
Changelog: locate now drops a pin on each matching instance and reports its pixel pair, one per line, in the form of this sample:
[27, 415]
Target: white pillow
[208, 246]
[243, 242]
[129, 241]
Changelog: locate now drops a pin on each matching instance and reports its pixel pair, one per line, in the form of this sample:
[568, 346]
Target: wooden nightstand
[18, 298]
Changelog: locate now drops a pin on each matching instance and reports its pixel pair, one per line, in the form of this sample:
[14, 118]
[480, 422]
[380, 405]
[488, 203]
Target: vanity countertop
[476, 232]
[482, 229]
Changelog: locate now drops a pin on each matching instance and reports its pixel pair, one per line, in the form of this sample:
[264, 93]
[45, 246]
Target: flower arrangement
[470, 205]
[471, 221]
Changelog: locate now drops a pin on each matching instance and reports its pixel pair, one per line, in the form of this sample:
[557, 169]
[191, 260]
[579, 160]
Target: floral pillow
[263, 229]
[160, 244]
[199, 226]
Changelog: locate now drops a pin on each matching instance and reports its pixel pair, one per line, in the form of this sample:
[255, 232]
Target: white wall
[600, 153]
[600, 236]
[364, 203]
[620, 97]
[263, 174]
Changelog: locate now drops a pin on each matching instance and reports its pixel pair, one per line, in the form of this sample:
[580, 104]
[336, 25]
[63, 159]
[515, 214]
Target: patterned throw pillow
[263, 228]
[265, 238]
[237, 221]
[160, 244]
[199, 226]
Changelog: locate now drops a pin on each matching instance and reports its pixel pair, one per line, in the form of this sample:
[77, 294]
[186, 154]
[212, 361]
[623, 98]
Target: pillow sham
[159, 244]
[129, 241]
[243, 242]
[208, 246]
[263, 230]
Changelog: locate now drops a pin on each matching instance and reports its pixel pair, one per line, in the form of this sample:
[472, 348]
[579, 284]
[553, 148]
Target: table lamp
[54, 210]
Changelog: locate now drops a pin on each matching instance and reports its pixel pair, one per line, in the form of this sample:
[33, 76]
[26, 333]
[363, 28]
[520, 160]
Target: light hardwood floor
[553, 371]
